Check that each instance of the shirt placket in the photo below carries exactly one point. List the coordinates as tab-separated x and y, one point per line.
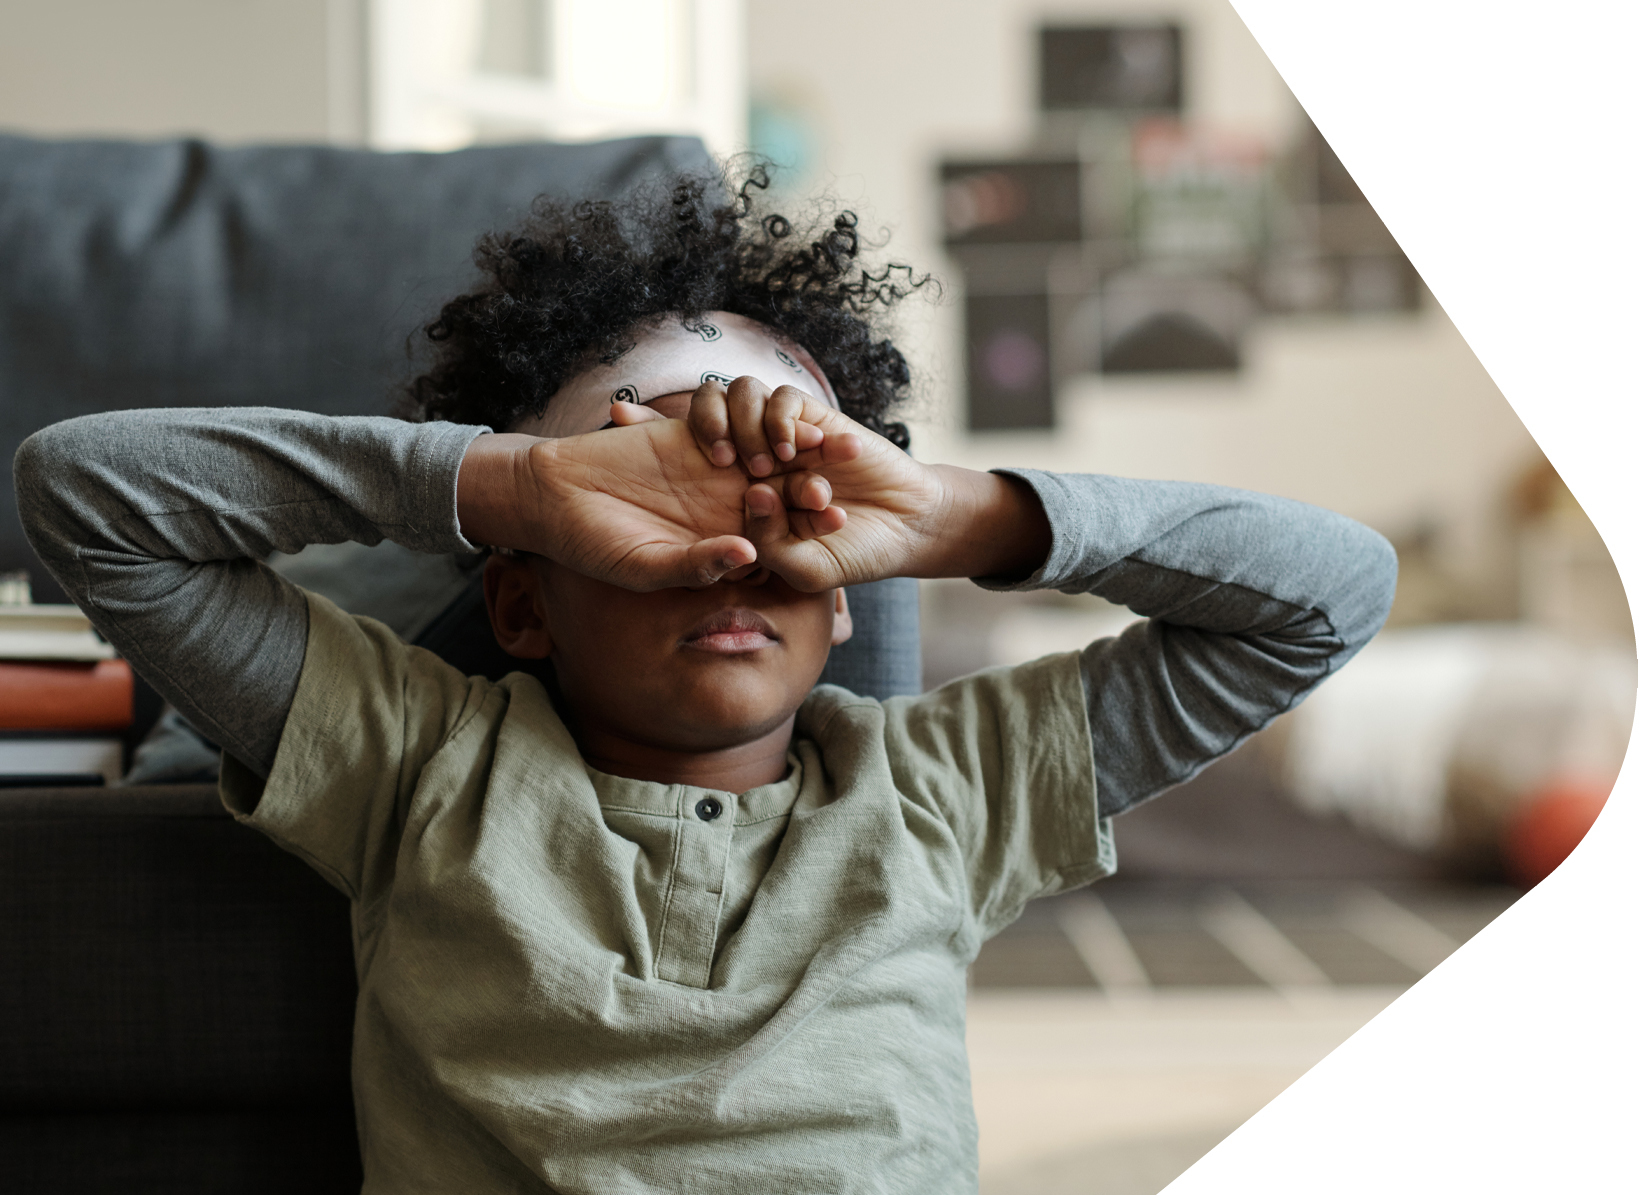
694	900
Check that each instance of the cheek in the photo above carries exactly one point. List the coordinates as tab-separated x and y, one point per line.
809	635
610	662
593	625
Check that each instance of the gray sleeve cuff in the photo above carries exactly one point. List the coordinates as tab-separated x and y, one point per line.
1065	519
432	522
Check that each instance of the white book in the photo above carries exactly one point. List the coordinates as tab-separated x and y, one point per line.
21	758
49	633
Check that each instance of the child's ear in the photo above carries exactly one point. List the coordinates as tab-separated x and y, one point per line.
842	627
517	607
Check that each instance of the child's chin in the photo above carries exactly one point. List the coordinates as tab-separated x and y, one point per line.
733	719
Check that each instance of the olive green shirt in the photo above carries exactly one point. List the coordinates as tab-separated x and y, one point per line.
575	982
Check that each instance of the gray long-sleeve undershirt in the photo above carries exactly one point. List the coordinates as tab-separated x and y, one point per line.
155	523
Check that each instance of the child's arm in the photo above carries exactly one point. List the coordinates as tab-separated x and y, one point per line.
1252	600
154	522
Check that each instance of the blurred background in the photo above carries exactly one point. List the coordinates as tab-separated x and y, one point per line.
1152	264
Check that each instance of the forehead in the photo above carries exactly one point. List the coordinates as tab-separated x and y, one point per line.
673	358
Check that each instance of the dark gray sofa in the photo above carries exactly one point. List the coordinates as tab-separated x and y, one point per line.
177	1007
178	996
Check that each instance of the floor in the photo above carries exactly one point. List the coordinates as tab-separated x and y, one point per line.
1118	1033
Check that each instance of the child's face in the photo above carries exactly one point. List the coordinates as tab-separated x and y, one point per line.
696	669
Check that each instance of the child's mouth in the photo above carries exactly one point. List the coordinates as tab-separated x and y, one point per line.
732	632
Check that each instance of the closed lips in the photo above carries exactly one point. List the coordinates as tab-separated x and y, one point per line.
732	631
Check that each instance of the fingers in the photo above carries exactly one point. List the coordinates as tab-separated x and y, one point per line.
808	436
708	420
780	413
768	516
747	421
791	423
766	520
629	414
812	524
749	403
783	539
837	449
801	491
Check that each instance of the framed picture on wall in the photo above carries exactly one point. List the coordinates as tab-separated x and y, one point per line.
1011	202
1122	68
1009	361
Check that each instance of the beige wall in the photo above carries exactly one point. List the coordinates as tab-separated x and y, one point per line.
1391	420
229	70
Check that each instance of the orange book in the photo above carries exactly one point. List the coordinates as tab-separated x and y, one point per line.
66	695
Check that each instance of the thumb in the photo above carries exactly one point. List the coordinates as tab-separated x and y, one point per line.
668	566
708	559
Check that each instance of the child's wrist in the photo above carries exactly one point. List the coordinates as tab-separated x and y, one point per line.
497	496
995	527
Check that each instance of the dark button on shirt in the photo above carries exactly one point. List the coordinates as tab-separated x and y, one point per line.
707	808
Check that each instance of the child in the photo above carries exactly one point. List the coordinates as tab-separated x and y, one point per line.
650	914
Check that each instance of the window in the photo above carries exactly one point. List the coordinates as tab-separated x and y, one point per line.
448	73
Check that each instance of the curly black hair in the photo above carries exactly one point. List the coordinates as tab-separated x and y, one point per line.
575	283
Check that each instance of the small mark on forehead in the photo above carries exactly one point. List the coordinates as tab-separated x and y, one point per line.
789	360
626	394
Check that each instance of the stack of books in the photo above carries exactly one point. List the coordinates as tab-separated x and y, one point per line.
64	700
